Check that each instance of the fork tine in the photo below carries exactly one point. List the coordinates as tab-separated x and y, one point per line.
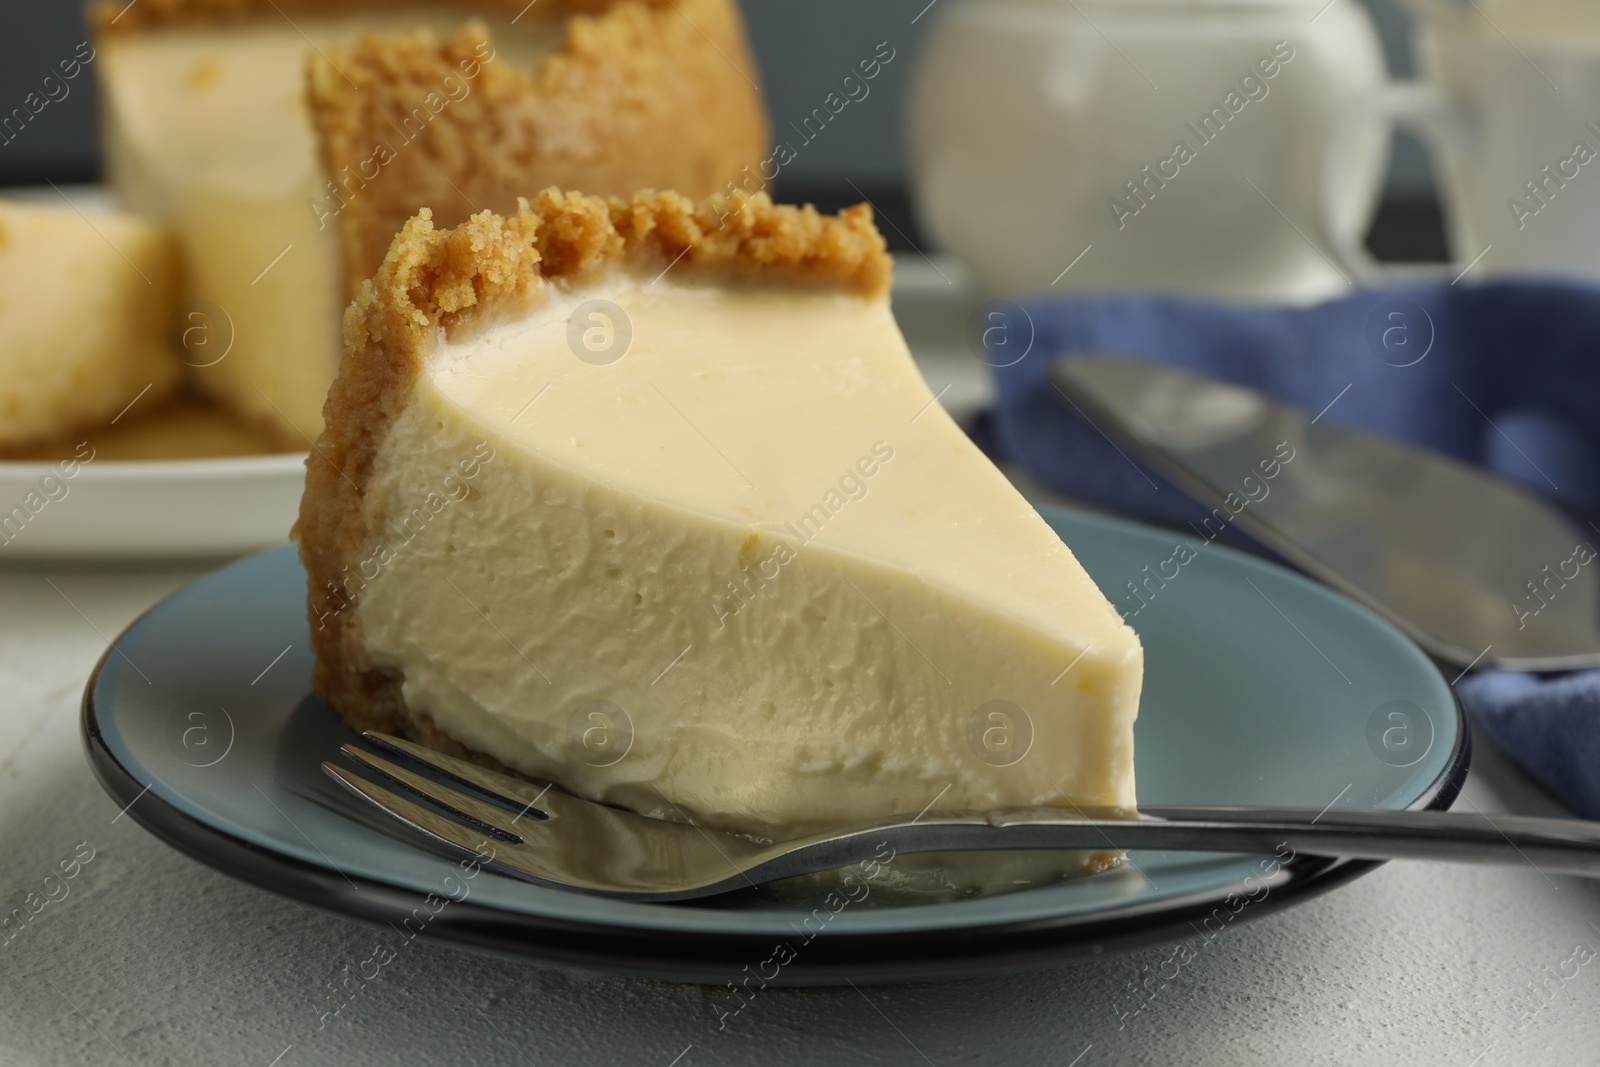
429	822
514	791
488	817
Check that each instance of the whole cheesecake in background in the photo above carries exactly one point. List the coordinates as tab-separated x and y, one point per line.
207	126
84	299
648	498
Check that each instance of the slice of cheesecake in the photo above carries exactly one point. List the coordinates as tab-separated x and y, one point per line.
648	498
84	302
207	125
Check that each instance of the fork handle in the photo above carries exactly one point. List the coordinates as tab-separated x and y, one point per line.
1565	846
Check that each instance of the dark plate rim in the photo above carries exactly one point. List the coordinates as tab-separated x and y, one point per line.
830	959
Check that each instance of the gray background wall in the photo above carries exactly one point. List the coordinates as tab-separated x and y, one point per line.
804	48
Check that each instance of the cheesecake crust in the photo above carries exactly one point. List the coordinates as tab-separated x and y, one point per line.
638	96
118	17
489	269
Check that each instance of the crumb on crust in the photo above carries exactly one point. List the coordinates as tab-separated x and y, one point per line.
493	267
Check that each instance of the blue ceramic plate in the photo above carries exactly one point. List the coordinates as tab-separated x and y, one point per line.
1260	688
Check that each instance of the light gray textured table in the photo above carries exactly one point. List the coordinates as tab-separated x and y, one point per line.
151	958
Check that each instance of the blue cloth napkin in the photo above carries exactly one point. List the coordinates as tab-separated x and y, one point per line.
1506	376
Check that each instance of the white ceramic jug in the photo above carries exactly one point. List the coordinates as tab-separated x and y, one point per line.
1228	148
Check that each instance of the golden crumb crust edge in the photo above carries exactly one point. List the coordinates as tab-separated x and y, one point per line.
112	17
634	97
489	268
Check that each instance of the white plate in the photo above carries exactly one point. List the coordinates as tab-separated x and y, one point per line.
122	509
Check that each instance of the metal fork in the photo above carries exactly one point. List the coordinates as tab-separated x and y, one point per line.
539	832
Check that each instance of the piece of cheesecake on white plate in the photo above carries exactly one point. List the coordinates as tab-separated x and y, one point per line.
85	297
648	498
285	141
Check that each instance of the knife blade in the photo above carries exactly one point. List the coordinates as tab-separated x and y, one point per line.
1477	570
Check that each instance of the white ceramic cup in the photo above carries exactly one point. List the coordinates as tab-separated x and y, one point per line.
1227	148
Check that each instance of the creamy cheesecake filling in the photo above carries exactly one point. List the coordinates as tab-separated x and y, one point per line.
748	570
83	320
207	129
